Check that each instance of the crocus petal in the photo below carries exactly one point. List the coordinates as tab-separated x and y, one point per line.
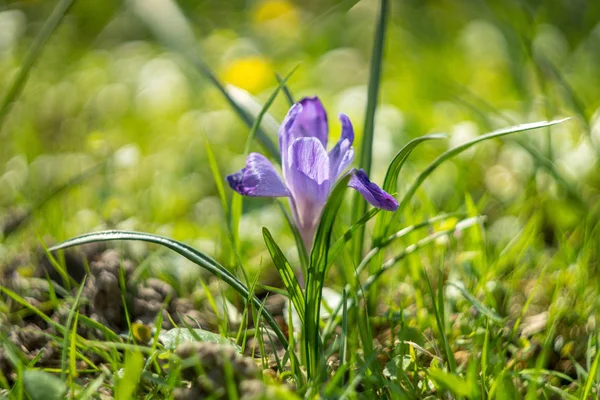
311	121
372	193
342	153
308	180
285	136
258	178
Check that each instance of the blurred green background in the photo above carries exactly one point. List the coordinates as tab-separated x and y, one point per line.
107	90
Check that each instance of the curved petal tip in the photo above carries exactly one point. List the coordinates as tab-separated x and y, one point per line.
372	193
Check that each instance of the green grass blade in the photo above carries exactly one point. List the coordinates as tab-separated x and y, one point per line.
16	87
186	251
71	334
488	312
286	90
319	261
465	146
390	183
592	375
286	272
126	385
302	254
398	235
265	108
373	89
360	205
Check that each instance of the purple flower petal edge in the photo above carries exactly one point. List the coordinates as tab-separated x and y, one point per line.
372	193
258	178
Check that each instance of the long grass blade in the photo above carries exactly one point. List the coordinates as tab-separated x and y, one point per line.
265	108
186	251
17	85
302	254
319	260
286	272
360	205
390	185
459	149
592	376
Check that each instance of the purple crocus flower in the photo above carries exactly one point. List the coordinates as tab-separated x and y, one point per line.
309	171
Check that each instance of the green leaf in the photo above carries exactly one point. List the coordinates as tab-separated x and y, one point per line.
488	312
459	149
287	274
592	375
186	251
451	382
319	261
128	381
174	337
92	387
264	110
439	318
286	90
390	183
302	255
360	205
41	385
33	53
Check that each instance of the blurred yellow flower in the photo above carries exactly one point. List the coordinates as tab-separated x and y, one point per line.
251	73
270	10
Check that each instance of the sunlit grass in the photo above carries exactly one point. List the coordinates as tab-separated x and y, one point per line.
482	285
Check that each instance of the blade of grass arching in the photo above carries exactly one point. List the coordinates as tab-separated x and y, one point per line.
459	149
286	272
197	257
541	159
16	87
390	185
319	260
592	377
390	182
359	205
441	326
166	21
286	90
70	335
302	254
